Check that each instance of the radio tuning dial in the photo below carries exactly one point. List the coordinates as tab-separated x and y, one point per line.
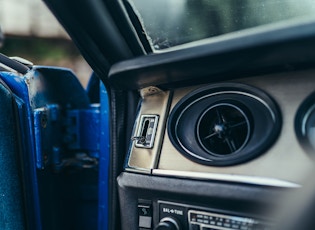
168	223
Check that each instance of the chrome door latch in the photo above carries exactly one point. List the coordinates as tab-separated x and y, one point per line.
145	135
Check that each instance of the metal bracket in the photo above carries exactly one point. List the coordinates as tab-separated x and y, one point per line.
67	139
146	131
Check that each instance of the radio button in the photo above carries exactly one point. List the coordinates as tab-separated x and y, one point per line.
168	223
200	221
145	216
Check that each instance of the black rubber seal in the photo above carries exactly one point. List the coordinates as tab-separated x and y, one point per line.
13	64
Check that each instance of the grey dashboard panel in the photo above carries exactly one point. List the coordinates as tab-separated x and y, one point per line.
285	163
145	159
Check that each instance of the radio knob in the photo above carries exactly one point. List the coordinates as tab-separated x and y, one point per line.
168	223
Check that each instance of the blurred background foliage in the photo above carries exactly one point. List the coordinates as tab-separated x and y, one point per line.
32	32
39	50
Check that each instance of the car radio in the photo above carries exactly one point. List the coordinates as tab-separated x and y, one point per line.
209	220
175	216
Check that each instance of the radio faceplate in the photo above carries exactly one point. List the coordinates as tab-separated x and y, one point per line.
209	220
200	218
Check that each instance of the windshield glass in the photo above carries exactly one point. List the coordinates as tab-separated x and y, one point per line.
169	23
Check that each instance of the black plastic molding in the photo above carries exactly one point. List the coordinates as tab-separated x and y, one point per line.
254	200
255	51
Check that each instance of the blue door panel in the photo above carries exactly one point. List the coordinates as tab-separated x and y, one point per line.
19	88
104	161
70	198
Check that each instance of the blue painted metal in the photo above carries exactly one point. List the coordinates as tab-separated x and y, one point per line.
38	139
47	135
48	89
48	86
51	85
36	95
76	131
19	88
104	161
83	130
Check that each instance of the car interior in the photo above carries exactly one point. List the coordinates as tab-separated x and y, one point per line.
197	116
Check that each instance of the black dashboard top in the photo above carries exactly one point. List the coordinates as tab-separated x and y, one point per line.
251	52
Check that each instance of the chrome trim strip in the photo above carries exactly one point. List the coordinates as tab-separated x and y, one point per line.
138	170
228	178
305	119
131	144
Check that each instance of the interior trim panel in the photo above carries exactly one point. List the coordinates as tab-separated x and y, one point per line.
227	178
143	158
288	90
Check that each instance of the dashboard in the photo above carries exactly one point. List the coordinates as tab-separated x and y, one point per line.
282	162
222	132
